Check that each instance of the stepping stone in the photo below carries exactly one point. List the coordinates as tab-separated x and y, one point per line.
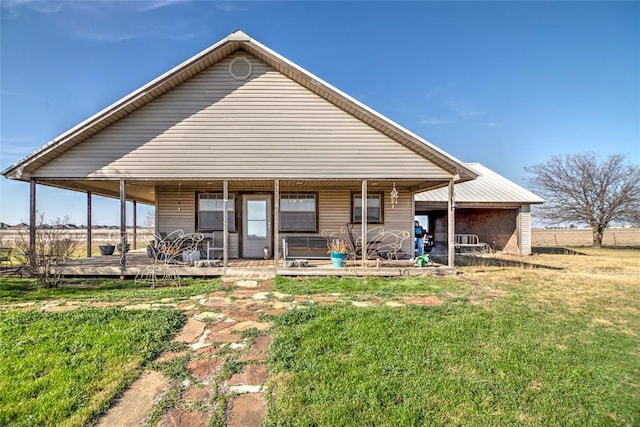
203	368
220	326
191	331
247	283
208	315
103	304
223	337
429	301
394	304
275	312
241	314
281	304
319	298
218	302
243	293
138	307
261	343
197	394
280	295
242	389
136	402
260	296
202	341
256	357
360	303
249	324
247	410
181	418
252	375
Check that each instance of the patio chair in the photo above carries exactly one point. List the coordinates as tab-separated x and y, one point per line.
177	249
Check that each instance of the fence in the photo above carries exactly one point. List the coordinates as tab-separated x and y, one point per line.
10	237
621	237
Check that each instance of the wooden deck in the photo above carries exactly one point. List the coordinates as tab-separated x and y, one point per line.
138	263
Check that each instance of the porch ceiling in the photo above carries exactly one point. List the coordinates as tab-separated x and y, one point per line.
144	191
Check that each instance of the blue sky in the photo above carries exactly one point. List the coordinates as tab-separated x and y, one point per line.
506	84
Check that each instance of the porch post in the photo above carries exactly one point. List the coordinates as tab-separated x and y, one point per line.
451	224
276	221
135	225
32	223
364	222
89	223
225	223
123	224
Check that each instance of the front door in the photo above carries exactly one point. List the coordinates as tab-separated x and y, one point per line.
256	220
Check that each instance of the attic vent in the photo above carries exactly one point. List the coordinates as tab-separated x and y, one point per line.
240	68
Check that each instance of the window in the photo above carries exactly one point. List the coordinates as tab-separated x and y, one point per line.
374	208
211	212
298	212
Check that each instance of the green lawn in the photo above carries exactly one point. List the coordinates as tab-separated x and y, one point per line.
450	365
509	346
17	290
63	368
369	286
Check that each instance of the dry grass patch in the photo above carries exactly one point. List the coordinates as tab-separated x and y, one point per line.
603	281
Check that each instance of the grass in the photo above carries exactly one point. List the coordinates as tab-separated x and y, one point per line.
64	368
371	286
19	290
524	347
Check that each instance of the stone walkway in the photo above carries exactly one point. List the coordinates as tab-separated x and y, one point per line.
224	349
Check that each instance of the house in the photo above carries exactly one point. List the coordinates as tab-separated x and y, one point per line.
242	144
492	207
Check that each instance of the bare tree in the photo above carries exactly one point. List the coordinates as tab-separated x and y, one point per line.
580	188
54	247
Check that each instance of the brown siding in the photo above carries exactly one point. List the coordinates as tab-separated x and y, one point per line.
214	126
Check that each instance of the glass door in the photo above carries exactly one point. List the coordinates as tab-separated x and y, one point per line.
256	217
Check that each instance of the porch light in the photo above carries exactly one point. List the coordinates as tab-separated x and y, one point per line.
394	196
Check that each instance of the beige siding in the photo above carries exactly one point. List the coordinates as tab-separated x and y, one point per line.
169	218
334	210
524	230
213	126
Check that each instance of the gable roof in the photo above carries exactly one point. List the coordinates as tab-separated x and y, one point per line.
234	42
489	187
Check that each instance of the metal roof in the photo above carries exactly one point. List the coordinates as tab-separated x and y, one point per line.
489	187
235	41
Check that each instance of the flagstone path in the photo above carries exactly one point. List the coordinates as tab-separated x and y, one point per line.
226	339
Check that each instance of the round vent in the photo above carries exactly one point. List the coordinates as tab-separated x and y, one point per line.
240	68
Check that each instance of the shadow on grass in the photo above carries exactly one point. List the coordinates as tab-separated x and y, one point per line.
553	250
475	260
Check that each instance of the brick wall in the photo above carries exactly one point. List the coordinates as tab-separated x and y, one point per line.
489	225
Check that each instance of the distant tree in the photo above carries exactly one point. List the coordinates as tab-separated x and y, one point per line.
578	187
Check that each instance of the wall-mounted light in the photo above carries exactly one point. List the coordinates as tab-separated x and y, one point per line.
394	196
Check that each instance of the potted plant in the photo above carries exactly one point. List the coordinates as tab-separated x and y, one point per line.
338	251
107	249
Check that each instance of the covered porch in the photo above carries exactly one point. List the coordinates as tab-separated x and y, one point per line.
138	262
243	236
